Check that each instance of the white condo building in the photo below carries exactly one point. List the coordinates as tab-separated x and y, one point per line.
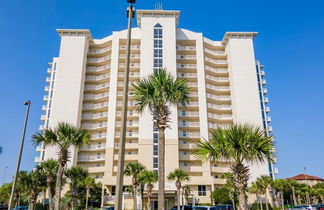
85	86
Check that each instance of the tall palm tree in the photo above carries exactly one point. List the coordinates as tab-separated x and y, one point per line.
148	178
134	169
63	137
89	183
265	182
239	143
157	93
178	176
77	176
49	168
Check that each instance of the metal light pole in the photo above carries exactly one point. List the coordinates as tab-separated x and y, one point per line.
27	103
121	152
4	174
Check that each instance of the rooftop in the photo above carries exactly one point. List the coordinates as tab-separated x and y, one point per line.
304	177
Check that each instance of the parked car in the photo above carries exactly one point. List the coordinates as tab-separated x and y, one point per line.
319	206
304	207
108	208
204	208
20	208
185	207
224	207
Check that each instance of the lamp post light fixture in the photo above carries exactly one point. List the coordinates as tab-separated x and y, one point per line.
121	152
27	103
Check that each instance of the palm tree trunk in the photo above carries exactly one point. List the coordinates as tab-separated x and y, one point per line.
233	203
242	199
74	196
266	199
149	194
161	169
49	192
260	201
87	197
135	197
58	187
294	196
178	198
282	200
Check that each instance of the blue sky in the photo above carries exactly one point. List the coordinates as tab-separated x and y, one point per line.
290	45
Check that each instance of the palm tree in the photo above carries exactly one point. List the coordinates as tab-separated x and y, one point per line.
255	189
89	183
265	182
157	93
240	144
49	168
292	185
63	136
35	184
148	178
77	176
186	191
279	185
178	176
134	169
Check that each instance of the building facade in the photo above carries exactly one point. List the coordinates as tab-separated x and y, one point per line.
85	86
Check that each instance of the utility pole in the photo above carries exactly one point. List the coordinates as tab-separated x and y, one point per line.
121	152
27	103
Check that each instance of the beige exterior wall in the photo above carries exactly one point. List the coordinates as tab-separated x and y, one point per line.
88	93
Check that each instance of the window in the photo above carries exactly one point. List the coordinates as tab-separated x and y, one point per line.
158	33
154	126
130	123
184	123
184	142
155	150
98	155
130	133
158	43
185	153
183	113
185	164
184	133
158	62
99	144
113	190
201	190
155	162
129	153
155	138
97	176
158	53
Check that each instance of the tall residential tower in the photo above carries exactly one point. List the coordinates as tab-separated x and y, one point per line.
85	86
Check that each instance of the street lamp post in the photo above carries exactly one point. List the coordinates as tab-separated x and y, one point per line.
27	103
121	152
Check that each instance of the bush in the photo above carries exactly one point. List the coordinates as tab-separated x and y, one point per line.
256	206
221	196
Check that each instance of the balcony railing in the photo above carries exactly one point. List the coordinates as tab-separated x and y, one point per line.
94	125
188	114
133	47
218	98
219	116
180	47
95	147
216	70
186	57
189	134
95	106
96	96
131	65
217	79
97	78
218	88
98	60
98	136
132	56
219	107
91	158
214	52
215	61
188	124
96	87
187	66
94	116
98	69
187	75
98	51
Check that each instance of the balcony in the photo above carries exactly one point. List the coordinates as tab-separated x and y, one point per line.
128	145
265	91
91	158
270	128
186	157
90	116
189	134
216	62
132	56
218	98
191	168
130	113
266	100
95	147
219	107
215	52
128	134
188	124
44	107
217	79
219	181
98	60
267	109
128	157
95	106
131	65
220	169
187	145
218	88
187	75
220	117
99	51
186	57
262	73
180	47
97	78
49	70
97	136
96	87
37	159
264	82
99	169
132	123
192	84
98	69
216	70
186	66
47	88
43	117
131	74
92	126
191	104
133	47
48	79
268	119
95	96
39	149
41	127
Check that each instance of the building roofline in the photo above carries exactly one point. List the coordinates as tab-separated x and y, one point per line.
74	32
304	177
158	13
247	35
